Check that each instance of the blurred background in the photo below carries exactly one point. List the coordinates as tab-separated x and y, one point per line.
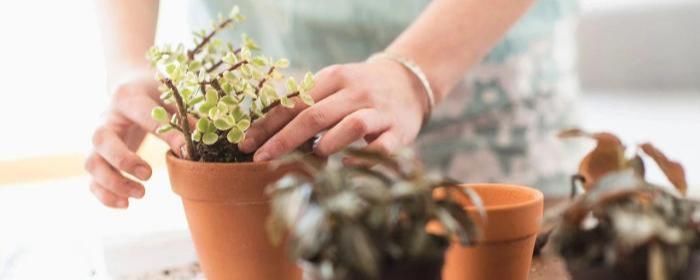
639	67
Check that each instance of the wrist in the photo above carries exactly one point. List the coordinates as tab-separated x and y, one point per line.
419	82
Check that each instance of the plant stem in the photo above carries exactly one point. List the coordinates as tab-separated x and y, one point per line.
263	80
205	41
275	104
215	84
182	113
176	127
218	63
233	67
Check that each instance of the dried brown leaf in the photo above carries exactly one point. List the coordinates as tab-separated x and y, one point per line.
607	156
673	170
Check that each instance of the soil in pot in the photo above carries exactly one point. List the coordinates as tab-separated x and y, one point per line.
226	208
504	249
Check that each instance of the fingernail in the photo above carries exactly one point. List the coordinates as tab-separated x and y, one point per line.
248	145
142	172
136	193
261	156
121	204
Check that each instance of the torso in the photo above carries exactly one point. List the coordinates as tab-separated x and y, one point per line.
498	124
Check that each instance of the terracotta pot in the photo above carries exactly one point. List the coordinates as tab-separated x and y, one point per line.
504	250
226	208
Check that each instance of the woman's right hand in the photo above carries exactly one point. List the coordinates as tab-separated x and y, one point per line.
116	140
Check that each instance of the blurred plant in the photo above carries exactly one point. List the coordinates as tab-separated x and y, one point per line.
357	222
622	221
219	89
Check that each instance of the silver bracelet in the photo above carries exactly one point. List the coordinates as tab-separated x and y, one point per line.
417	71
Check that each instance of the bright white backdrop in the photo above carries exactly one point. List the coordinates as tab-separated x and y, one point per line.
52	92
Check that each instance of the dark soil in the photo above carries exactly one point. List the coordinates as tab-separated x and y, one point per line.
224	151
221	151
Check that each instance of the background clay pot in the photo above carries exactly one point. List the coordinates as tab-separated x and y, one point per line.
226	209
504	250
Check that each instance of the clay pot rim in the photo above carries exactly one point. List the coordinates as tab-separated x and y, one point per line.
538	197
180	161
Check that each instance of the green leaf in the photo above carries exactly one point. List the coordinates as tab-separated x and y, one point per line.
235	14
222	107
307	99
195	65
269	91
308	82
244	124
286	102
292	85
202	124
186	93
212	96
209	138
204	108
222	124
195	101
249	43
235	135
197	136
245	70
230	59
214	113
245	53
259	61
282	63
228	100
170	68
166	95
256	74
164	128
159	114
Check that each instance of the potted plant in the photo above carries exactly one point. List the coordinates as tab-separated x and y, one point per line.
509	230
217	90
388	221
623	227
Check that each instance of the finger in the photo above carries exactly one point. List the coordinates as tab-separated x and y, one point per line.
386	144
308	123
352	128
107	197
113	149
137	107
328	81
110	179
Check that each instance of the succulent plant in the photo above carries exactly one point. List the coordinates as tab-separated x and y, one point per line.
357	221
219	89
622	221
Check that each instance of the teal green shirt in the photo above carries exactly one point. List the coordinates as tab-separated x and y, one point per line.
497	125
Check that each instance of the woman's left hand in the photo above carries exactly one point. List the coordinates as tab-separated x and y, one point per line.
379	101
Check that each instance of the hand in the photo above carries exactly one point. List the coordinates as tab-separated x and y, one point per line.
379	101
126	123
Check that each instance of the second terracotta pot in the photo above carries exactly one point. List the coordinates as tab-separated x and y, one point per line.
226	208
504	250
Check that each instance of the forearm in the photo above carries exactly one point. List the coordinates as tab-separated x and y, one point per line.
128	31
450	36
